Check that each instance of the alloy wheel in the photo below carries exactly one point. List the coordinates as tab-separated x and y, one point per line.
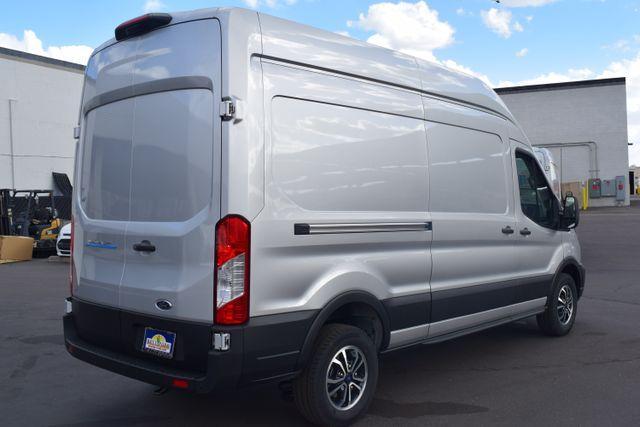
565	304
346	378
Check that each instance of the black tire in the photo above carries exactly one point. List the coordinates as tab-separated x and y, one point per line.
310	388
556	321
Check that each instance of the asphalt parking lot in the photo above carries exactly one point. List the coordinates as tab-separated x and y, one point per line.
511	375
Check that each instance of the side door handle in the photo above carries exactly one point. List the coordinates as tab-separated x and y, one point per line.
525	232
144	246
507	230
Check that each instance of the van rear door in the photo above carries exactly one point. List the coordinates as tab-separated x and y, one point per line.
150	173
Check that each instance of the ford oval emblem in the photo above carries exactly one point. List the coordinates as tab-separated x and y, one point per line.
163	304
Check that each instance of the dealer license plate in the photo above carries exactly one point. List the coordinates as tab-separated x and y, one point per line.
160	343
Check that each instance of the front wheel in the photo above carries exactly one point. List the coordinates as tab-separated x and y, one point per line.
338	384
562	306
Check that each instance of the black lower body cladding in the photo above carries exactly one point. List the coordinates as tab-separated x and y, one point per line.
266	348
458	302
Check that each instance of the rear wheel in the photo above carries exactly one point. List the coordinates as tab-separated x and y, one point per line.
338	384
560	314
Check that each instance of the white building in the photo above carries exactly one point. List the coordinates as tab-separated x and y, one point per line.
583	124
39	105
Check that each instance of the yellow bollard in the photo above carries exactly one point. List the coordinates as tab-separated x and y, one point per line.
585	198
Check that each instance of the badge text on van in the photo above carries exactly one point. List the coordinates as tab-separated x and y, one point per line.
100	245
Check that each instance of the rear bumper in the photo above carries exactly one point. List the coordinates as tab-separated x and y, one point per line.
222	370
267	348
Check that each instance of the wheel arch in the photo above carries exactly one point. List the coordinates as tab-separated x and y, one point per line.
354	303
573	268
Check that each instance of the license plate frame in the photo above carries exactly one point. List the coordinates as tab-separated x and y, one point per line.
159	342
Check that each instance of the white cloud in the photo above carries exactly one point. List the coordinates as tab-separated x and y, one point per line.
255	4
32	44
499	21
622	45
526	3
522	52
529	18
412	28
461	11
518	27
154	6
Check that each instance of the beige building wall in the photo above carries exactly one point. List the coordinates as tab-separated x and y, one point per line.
39	105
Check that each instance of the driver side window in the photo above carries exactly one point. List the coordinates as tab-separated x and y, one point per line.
536	197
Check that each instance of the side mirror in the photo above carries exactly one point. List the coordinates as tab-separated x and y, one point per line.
570	215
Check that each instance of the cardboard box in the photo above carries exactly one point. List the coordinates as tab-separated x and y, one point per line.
16	248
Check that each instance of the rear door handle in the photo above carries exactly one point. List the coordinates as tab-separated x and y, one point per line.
507	230
144	246
525	232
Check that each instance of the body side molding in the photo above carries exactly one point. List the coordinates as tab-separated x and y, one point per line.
463	325
457	302
377	227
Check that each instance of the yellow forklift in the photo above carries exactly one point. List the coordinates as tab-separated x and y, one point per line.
31	213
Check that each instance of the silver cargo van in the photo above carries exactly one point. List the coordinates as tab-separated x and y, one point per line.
257	200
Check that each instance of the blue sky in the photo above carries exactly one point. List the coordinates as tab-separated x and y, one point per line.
514	42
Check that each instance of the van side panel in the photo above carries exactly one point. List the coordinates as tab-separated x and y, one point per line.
349	175
334	158
474	262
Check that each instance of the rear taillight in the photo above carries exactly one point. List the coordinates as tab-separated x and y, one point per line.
71	268
232	270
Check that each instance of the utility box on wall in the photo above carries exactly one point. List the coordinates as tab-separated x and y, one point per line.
621	193
608	188
594	188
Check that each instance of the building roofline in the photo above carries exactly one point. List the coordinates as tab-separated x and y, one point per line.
40	60
562	85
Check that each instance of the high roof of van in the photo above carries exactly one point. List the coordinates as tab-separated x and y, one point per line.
300	44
